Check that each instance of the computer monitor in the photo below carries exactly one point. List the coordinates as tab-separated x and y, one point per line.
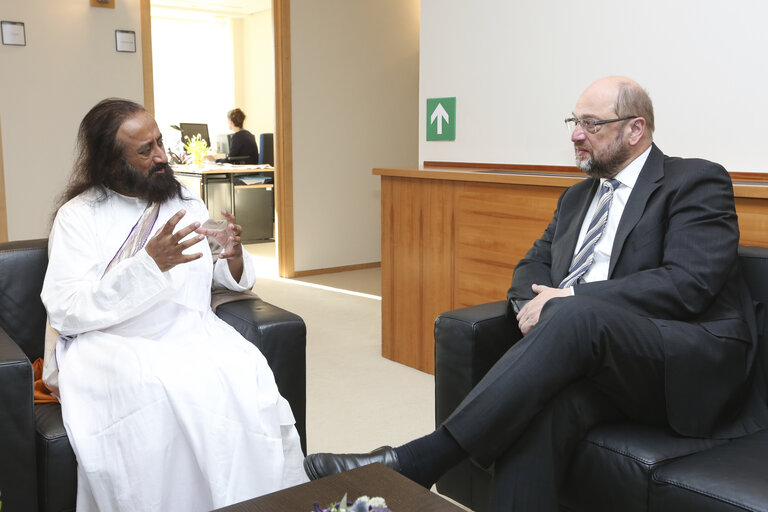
192	129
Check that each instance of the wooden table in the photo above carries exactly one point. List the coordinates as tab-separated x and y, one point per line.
451	238
401	494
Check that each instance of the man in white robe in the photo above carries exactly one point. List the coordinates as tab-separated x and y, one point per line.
166	406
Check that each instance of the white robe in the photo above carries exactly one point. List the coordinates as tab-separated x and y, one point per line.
166	406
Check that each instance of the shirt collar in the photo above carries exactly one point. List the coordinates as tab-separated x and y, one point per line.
628	175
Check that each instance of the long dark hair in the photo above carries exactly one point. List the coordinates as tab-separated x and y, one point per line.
99	153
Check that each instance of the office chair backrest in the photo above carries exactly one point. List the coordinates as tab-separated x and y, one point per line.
267	146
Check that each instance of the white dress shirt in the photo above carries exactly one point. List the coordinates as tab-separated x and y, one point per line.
627	177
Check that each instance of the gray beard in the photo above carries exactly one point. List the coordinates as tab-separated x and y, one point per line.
609	166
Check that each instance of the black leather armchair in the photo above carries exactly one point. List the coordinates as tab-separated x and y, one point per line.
620	466
38	471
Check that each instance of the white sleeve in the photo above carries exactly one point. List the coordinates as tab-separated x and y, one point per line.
76	296
222	277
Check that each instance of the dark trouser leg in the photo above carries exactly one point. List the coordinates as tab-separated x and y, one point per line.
577	337
528	475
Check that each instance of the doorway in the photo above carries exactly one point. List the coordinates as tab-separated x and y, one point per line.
258	32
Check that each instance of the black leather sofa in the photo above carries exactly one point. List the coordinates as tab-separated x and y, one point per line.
622	466
38	471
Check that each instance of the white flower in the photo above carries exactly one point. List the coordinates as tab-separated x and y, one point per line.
377	502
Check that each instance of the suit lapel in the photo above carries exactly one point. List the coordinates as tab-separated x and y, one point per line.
648	180
576	209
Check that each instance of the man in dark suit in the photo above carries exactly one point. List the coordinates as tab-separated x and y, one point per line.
631	304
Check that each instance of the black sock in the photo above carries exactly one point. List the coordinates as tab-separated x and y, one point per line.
424	460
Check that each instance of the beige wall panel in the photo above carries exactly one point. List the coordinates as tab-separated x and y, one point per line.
257	89
67	66
355	89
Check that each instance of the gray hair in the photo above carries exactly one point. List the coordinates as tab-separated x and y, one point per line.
633	100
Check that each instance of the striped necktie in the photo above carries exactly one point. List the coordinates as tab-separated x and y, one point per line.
583	259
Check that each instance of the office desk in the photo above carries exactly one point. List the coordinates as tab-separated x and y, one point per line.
252	205
452	238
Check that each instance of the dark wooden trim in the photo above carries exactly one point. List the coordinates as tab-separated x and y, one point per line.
738	176
3	210
750	177
564	169
281	11
146	56
333	270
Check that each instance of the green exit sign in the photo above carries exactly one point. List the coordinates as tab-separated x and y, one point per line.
441	118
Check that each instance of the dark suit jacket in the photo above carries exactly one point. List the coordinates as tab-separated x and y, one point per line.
674	261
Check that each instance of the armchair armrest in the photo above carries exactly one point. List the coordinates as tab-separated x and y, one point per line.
18	473
468	342
282	337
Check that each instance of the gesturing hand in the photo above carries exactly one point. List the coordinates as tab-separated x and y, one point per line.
229	238
166	247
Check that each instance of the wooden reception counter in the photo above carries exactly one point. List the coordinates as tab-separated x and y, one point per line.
451	238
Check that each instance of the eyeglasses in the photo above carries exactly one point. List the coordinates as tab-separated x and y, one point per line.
592	125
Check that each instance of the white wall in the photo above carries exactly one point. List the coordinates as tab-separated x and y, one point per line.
68	65
192	61
206	65
517	68
255	90
354	69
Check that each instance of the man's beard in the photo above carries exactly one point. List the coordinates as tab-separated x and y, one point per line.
158	186
609	165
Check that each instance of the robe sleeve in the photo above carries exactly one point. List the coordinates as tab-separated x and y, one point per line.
78	299
222	277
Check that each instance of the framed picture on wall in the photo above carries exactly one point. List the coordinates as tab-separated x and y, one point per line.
125	41
13	33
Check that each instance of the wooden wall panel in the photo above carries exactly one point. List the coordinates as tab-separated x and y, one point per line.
405	231
753	221
437	262
495	227
417	266
387	270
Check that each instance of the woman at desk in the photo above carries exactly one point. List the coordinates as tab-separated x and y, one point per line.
242	146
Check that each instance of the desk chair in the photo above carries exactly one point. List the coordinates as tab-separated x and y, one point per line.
267	153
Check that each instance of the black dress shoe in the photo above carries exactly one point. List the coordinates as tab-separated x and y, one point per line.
319	465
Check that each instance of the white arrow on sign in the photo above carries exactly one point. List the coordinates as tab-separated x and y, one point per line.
440	114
